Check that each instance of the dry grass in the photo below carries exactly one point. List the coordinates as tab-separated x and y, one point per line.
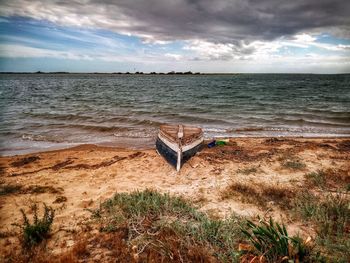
328	178
248	170
291	162
24	161
259	194
9	189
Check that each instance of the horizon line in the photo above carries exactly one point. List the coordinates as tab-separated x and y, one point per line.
166	73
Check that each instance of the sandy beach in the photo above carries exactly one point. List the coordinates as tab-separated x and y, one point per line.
80	178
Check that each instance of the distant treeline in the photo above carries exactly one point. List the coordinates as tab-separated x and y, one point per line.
134	73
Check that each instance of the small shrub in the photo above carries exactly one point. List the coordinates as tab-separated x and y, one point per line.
272	242
37	231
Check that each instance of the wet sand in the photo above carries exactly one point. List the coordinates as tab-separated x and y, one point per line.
80	178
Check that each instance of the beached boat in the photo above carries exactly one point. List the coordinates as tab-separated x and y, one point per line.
178	143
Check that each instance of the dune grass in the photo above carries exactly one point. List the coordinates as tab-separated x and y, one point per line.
329	178
330	215
148	226
149	215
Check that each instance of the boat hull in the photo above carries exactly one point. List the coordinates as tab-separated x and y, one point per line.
171	153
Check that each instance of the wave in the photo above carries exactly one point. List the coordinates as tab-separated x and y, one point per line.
42	138
313	122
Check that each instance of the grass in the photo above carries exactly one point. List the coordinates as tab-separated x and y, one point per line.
293	165
259	194
34	233
147	226
330	178
331	216
248	170
291	162
151	218
317	178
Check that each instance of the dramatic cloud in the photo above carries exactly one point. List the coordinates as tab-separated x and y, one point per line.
198	35
220	21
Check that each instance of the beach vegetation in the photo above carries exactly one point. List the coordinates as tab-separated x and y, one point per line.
40	189
330	215
248	170
317	178
330	178
25	161
7	189
259	194
150	218
272	243
293	164
35	232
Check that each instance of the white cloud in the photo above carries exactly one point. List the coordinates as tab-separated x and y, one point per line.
211	51
20	51
174	56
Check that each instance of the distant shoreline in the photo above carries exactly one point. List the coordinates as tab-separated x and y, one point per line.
188	73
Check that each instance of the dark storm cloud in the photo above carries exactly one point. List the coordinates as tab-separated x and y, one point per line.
221	21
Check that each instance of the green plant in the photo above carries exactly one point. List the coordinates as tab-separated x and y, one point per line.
271	241
316	178
34	233
331	213
331	217
168	224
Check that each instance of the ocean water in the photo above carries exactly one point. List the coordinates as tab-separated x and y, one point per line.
47	111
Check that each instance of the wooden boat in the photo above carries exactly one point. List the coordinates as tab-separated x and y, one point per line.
178	143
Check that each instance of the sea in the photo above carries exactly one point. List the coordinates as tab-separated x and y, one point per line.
40	112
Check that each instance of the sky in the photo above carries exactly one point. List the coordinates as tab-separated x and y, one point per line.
213	36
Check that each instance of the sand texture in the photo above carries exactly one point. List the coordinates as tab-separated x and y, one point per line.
77	179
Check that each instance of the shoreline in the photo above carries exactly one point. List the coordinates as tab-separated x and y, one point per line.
145	148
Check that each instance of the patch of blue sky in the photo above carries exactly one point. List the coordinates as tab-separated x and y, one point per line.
328	39
47	35
56	65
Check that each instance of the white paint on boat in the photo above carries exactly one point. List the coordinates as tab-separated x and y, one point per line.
174	142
